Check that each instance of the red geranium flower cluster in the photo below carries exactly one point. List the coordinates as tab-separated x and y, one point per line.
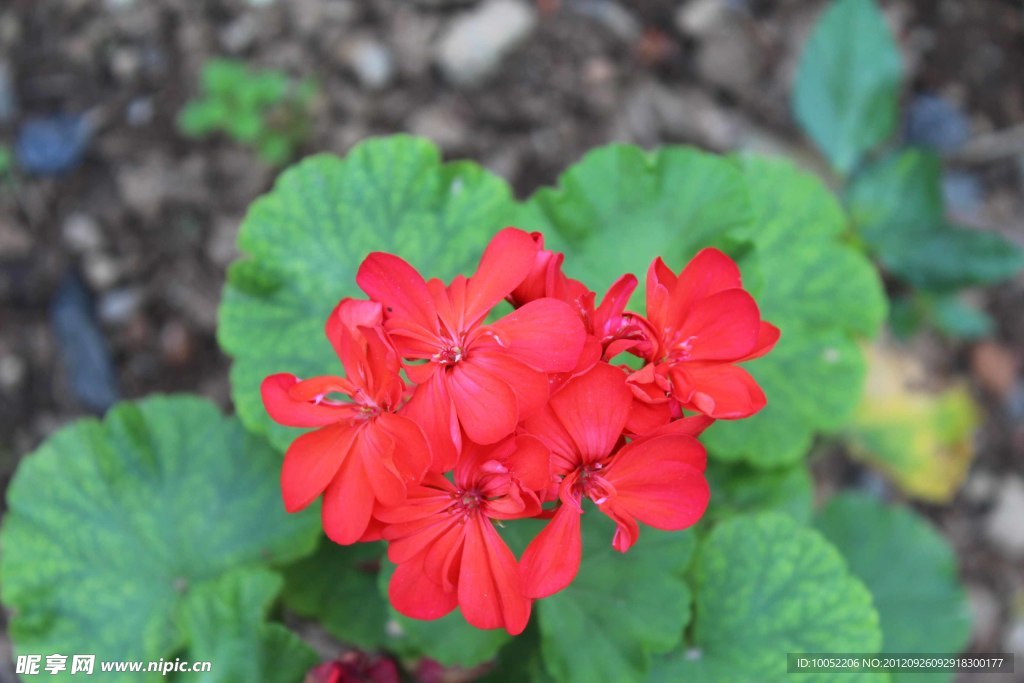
446	421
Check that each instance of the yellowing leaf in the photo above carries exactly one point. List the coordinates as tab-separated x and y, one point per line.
921	438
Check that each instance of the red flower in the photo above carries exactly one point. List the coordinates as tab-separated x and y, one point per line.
362	452
482	377
447	550
704	323
658	480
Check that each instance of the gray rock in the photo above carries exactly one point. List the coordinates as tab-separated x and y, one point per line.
371	61
613	16
82	347
81	233
698	18
984	612
472	47
729	59
1004	525
118	306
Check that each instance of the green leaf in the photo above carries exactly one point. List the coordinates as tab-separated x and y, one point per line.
738	489
765	586
822	295
309	235
911	572
449	640
619	207
957	318
226	622
337	586
897	208
111	525
620	609
848	82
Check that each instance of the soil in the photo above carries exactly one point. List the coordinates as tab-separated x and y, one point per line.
148	218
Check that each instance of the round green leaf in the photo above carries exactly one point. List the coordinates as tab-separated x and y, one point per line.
112	524
848	81
621	206
912	574
303	242
765	586
822	295
226	622
620	609
337	586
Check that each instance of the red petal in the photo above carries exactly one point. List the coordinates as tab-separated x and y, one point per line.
431	408
490	588
767	336
546	334
348	504
311	462
290	412
530	463
552	559
412	453
594	408
723	326
724	392
660	482
413	594
531	387
486	406
375	449
707	273
349	315
506	262
408	305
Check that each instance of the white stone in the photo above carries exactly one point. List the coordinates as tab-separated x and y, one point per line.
474	44
81	233
698	18
1004	525
372	63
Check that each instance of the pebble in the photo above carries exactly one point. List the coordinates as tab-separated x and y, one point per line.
176	345
81	233
82	347
730	59
120	305
371	61
240	33
12	372
1004	525
140	112
613	16
699	18
101	270
52	145
937	123
1014	640
985	612
474	44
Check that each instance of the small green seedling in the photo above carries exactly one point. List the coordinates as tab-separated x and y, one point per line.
262	109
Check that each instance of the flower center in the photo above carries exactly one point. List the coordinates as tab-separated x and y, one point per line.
592	485
449	355
465	502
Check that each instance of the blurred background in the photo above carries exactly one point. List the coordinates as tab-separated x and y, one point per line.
118	213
